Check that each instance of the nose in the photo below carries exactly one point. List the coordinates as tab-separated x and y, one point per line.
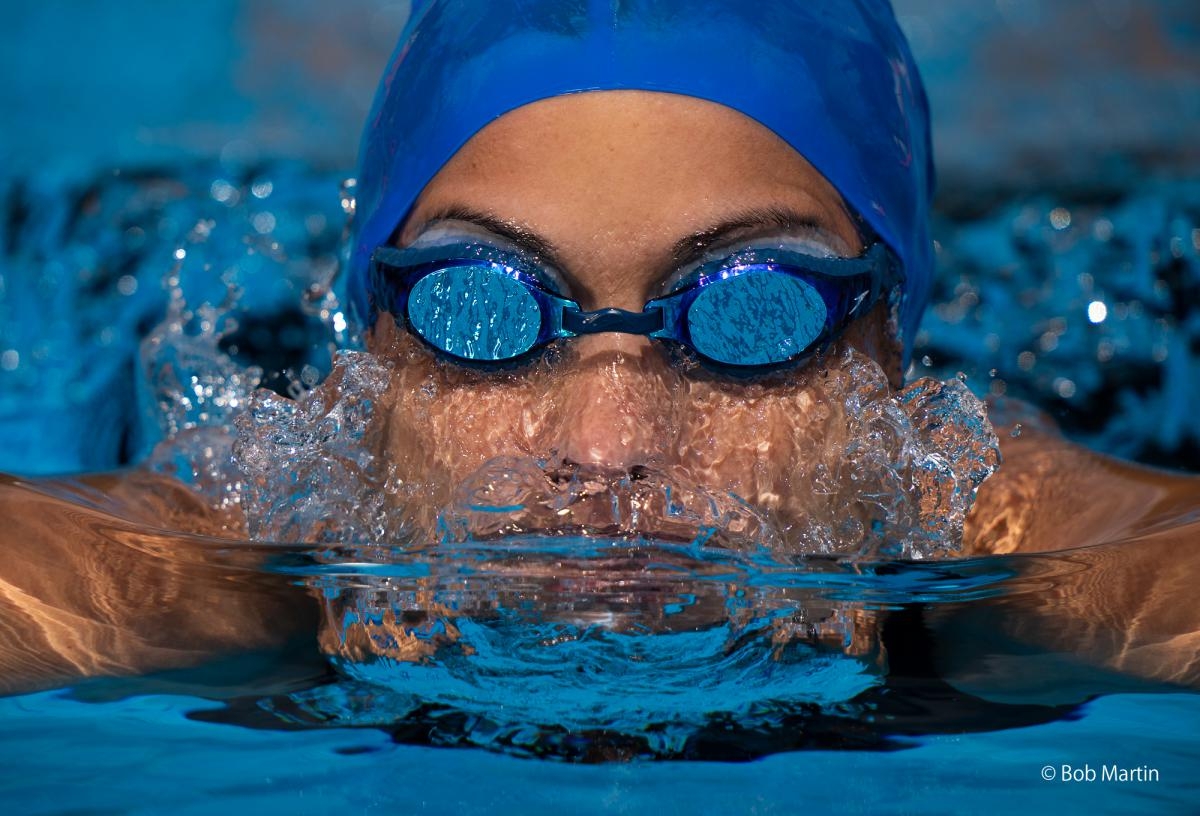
617	407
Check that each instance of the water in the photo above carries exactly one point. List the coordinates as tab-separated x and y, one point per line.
194	764
612	641
661	683
900	484
944	712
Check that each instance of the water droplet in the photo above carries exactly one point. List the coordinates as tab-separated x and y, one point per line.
347	192
223	192
263	222
1063	387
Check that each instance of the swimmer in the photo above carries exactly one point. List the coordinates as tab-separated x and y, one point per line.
692	223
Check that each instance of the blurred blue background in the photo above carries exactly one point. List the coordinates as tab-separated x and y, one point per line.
1019	88
1065	134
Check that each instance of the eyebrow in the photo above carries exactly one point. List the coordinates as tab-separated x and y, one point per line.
685	251
512	231
774	218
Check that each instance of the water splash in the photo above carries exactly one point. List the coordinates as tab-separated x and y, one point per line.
900	485
191	390
311	466
518	496
904	476
192	383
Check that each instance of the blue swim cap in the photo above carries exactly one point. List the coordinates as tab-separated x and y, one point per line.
833	78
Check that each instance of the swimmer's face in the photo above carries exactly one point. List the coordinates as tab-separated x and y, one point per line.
619	189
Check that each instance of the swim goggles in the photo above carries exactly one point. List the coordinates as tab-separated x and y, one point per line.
752	311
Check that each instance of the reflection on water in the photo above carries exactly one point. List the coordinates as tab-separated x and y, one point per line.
93	585
530	638
584	649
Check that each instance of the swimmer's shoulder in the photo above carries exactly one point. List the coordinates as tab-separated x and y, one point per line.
1052	494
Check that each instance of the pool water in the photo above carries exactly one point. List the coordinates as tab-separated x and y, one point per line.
149	753
148	301
814	731
600	675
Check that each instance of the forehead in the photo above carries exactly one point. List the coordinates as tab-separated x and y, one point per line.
630	161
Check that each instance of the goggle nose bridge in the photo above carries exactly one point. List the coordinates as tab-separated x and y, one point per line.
645	322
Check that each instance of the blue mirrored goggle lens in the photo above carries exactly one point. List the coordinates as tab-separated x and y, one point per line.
756	318
475	312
